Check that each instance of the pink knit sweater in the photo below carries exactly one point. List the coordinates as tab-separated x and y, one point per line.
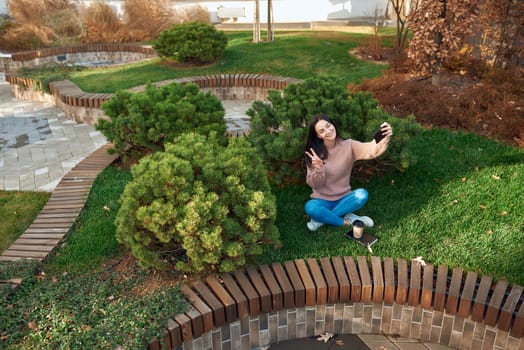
332	181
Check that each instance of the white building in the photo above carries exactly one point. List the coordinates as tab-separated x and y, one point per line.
283	10
3	6
297	10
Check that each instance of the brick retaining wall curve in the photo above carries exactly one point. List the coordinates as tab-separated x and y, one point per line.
268	304
101	54
84	107
95	47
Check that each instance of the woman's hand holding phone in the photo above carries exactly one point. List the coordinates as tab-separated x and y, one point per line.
384	131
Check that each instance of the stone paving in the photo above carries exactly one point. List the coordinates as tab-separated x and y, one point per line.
38	144
358	342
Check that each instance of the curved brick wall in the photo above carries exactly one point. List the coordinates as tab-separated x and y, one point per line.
264	305
84	107
103	52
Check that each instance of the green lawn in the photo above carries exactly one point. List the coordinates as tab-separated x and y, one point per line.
460	204
17	212
298	55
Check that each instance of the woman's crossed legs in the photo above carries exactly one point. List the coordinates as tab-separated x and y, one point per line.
332	212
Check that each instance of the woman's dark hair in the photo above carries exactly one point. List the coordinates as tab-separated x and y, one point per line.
313	141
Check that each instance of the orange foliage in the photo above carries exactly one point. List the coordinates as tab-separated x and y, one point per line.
101	23
452	19
149	17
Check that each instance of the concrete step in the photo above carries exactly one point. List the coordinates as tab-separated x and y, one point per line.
12	107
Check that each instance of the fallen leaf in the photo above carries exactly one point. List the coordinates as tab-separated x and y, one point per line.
420	260
325	337
54	279
482	206
490	232
504	213
15	281
32	325
496	177
464	179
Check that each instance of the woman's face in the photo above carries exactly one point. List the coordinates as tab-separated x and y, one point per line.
325	130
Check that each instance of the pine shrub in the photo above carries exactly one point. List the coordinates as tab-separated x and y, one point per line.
199	206
279	127
194	42
140	123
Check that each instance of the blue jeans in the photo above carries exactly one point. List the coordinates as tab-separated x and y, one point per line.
332	212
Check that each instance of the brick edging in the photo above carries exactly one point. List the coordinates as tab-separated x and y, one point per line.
260	305
85	107
94	47
70	94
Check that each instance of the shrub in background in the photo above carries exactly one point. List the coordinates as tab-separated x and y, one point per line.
194	42
140	123
101	22
192	13
148	16
20	37
45	23
40	23
199	206
279	127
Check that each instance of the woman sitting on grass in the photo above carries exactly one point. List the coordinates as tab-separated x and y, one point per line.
329	159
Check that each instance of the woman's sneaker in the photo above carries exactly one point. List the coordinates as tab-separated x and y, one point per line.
313	225
368	222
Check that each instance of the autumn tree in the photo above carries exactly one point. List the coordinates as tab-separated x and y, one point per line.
501	31
401	10
439	31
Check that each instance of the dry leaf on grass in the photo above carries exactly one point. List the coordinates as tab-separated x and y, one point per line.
32	325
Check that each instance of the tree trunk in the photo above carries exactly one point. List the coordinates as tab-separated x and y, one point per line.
256	23
269	20
435	69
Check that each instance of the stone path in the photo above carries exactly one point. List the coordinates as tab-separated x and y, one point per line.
39	145
358	342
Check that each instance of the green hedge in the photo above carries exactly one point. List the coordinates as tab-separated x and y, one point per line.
279	127
198	207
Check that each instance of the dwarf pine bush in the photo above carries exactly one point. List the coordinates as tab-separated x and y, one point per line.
192	42
198	206
279	127
140	123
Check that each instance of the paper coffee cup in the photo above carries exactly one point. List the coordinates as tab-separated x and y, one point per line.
358	228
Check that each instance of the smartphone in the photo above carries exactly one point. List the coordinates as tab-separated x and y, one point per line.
378	136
